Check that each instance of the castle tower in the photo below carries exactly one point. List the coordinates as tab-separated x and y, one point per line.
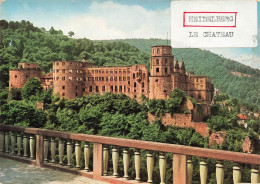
68	79
161	63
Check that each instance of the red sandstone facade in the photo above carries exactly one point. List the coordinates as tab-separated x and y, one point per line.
74	79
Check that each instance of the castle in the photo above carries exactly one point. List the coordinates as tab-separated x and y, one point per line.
73	79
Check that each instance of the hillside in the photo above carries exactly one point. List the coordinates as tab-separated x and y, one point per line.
21	41
221	70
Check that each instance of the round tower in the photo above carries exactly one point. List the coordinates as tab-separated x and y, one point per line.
161	63
68	79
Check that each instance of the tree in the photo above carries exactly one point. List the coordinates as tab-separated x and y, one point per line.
71	33
32	87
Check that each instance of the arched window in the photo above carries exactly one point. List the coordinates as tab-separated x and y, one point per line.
166	62
157	61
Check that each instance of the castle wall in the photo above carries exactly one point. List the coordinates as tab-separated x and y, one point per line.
18	77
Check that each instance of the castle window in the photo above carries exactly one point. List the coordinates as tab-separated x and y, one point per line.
103	88
63	70
156	80
135	96
96	71
133	75
83	89
63	87
111	88
100	79
143	75
57	78
129	82
135	90
128	89
158	51
157	61
63	78
199	96
166	70
124	71
142	84
70	63
135	84
15	76
63	64
142	91
97	90
106	71
76	94
115	88
99	71
57	63
90	88
57	71
111	71
120	88
115	78
76	87
128	70
106	78
166	62
70	71
103	78
157	70
124	88
96	78
111	78
63	94
115	71
120	78
120	71
27	76
197	80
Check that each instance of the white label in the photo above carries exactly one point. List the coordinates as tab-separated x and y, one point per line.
205	24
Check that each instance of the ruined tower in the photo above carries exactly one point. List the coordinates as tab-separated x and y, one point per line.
161	63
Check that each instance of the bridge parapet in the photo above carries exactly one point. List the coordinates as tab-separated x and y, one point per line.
70	152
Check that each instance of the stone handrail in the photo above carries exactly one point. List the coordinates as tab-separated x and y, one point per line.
183	166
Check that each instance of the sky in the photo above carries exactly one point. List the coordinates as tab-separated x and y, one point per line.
110	19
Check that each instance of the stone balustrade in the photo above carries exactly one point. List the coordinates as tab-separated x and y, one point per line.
101	157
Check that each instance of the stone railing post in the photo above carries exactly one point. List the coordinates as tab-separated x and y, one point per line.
61	151
189	170
2	141
69	152
105	159
97	160
126	162
86	155
78	153
32	146
25	145
236	174
203	171
179	169
39	150
162	167
53	149
150	163
219	172
7	142
46	149
19	144
255	176
115	158
137	164
13	138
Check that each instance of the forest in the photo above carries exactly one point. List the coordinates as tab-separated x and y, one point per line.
116	114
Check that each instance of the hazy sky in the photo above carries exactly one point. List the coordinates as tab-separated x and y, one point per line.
106	19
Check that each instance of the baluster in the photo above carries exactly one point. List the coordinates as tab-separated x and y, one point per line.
105	160
86	155
150	163
255	177
32	146
53	149
69	152
7	142
219	172
45	149
126	162
189	170
78	153
137	164
12	142
19	144
2	141
236	174
115	158
162	167
61	151
203	171
25	145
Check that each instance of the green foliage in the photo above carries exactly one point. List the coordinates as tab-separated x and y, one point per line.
31	88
